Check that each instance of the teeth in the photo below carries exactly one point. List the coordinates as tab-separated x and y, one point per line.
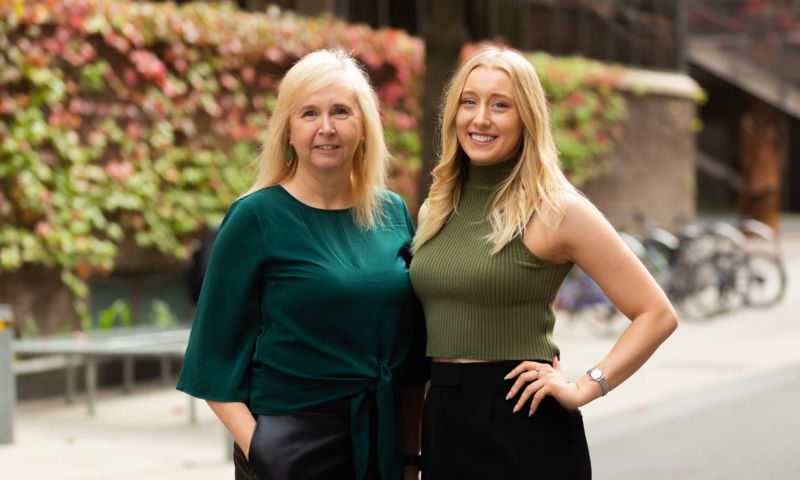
326	147
481	138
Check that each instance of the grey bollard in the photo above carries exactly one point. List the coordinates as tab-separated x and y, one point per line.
8	395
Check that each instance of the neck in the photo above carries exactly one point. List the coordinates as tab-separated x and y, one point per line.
326	190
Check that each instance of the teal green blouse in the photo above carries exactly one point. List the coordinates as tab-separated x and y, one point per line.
300	307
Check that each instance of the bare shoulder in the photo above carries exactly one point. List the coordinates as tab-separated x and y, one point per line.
577	210
583	227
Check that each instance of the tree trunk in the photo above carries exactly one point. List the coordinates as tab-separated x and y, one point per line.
444	34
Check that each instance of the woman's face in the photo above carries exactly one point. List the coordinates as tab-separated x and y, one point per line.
488	125
327	129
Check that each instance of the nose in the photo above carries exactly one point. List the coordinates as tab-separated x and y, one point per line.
326	128
482	119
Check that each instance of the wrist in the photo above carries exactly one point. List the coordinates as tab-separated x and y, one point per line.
597	376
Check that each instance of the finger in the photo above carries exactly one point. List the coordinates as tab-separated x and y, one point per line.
522	379
526	394
537	399
526	365
556	363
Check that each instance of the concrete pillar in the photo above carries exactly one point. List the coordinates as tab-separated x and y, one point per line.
8	395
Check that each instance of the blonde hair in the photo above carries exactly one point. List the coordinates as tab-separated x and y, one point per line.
313	73
535	180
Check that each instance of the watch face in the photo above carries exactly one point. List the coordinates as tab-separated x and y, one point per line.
596	373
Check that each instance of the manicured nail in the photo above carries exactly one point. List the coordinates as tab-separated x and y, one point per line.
530	413
508	397
506	377
516	408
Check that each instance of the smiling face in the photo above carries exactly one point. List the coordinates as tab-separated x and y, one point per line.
488	125
327	129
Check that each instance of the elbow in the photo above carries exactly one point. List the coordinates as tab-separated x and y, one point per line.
668	320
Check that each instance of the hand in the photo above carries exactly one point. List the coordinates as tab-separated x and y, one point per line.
542	380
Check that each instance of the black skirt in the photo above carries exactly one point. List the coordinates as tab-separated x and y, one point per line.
470	432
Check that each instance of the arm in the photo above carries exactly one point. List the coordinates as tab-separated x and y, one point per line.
238	420
585	237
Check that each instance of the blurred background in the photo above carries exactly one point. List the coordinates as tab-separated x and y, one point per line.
128	127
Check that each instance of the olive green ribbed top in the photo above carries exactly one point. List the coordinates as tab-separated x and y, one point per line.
478	305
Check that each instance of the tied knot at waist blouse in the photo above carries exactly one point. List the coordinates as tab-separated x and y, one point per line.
300	307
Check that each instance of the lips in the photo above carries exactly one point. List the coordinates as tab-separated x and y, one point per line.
326	147
482	138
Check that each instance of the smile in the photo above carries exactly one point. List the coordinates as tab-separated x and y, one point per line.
477	138
327	147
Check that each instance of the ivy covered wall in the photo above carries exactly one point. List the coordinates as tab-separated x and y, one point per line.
137	124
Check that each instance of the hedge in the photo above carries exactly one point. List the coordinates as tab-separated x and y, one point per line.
139	120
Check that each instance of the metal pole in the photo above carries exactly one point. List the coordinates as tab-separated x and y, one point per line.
8	394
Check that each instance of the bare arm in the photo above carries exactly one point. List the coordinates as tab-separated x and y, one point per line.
238	420
585	237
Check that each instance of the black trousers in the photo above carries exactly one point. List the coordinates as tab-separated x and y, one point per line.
469	430
310	445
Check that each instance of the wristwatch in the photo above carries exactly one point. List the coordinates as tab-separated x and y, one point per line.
597	375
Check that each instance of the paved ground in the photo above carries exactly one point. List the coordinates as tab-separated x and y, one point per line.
717	401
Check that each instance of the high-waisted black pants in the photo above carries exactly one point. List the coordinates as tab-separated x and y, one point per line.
308	445
469	430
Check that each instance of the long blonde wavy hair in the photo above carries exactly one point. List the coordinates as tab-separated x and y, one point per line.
536	179
312	73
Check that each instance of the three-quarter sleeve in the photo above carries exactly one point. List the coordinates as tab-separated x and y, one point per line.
228	316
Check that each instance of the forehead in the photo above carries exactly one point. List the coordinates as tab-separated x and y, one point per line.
331	94
489	80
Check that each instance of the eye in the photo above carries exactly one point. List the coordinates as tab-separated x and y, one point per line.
468	102
340	111
501	105
308	114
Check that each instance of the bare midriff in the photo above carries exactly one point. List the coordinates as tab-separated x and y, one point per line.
459	360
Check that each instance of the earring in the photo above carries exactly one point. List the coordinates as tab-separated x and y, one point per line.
289	155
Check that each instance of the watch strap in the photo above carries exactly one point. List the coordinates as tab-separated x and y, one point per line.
601	379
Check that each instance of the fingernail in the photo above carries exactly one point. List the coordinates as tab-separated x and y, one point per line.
515	409
530	413
506	377
508	397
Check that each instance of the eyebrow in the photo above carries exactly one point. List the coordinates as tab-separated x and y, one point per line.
494	94
335	105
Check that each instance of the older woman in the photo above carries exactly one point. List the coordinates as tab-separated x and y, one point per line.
499	231
306	322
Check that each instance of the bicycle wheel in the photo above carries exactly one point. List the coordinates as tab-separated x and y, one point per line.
696	289
767	279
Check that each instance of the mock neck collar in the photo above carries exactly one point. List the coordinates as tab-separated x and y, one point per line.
489	176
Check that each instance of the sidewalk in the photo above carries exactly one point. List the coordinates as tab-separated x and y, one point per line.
146	435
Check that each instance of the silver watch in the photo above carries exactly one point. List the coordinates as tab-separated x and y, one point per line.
597	375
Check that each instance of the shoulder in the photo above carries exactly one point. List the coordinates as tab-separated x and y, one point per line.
390	198
271	196
392	203
252	209
581	221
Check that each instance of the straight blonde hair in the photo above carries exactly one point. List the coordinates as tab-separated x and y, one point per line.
536	180
312	73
